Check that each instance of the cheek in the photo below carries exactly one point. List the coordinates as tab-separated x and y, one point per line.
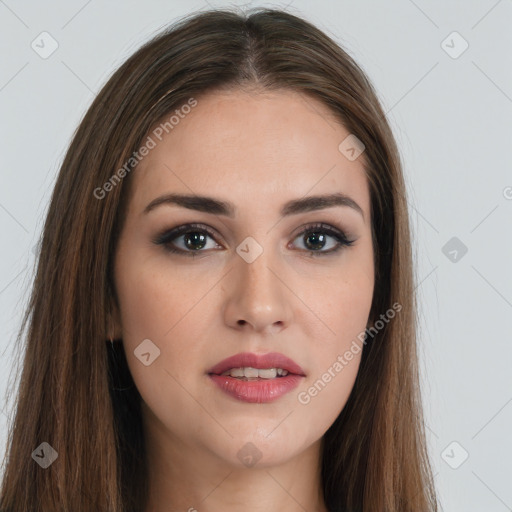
330	382
156	300
347	313
157	306
169	308
326	392
337	306
342	307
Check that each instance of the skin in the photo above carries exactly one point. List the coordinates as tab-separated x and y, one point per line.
256	149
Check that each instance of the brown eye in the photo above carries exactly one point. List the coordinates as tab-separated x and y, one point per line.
316	239
194	238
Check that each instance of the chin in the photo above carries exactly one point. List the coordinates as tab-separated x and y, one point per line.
256	449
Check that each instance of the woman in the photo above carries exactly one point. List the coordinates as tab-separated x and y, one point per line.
223	313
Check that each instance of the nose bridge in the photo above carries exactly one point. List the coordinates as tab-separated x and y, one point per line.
255	276
255	254
257	294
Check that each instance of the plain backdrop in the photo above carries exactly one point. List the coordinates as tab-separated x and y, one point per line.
443	73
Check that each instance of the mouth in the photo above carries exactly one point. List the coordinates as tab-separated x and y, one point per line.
257	378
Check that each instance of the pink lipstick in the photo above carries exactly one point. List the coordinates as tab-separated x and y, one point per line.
257	378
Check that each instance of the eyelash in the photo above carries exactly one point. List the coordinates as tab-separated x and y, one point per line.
168	236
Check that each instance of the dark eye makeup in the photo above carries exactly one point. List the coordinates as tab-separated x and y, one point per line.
196	234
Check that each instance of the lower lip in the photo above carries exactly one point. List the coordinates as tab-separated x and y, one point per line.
257	391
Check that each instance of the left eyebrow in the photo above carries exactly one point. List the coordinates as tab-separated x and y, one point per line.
217	207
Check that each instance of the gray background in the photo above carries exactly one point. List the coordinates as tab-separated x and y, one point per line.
452	118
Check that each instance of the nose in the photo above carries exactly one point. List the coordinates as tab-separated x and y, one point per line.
257	296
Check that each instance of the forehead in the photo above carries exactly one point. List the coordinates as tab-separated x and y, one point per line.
252	148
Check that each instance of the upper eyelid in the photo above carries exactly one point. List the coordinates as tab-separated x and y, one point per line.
181	229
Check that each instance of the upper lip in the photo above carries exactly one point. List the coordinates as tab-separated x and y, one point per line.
246	359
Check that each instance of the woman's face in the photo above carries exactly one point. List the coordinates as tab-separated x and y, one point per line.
242	279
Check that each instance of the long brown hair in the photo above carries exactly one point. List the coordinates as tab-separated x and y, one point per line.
75	390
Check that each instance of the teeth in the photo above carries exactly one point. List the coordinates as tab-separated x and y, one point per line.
251	372
271	373
235	372
254	373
